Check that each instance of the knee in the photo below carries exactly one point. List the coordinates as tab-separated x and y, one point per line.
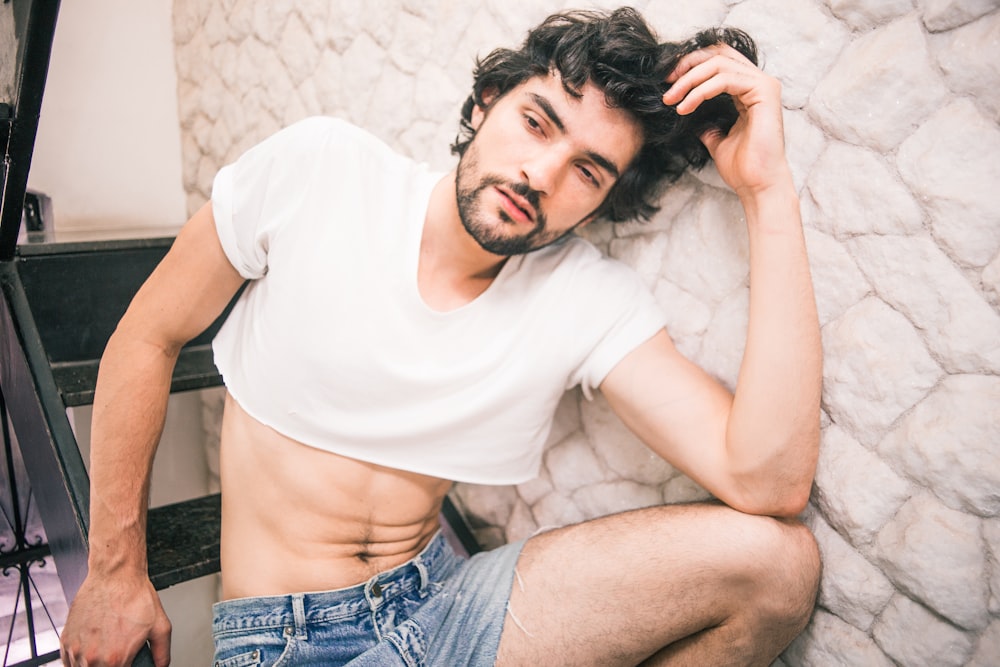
791	573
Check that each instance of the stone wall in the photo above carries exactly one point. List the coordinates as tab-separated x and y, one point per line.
892	128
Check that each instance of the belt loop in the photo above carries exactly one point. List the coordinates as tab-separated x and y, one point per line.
422	569
299	611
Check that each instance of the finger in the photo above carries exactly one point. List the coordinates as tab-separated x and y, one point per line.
734	84
705	71
728	51
711	139
695	58
159	642
68	651
689	62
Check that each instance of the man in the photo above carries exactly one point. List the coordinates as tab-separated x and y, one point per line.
404	329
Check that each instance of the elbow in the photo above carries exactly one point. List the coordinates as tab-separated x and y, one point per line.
129	337
778	485
788	509
791	505
770	499
784	508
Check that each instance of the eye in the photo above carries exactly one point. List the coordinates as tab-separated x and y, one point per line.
532	123
589	176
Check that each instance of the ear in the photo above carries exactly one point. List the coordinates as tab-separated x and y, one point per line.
489	96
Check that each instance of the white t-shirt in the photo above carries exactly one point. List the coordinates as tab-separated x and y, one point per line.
332	345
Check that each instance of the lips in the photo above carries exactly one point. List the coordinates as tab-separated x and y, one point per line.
517	207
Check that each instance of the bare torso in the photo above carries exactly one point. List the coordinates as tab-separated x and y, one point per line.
296	518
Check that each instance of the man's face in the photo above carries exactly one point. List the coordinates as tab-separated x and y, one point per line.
540	164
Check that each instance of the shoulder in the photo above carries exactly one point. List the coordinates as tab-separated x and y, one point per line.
325	135
307	132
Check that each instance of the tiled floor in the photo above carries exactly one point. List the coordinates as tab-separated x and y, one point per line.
47	617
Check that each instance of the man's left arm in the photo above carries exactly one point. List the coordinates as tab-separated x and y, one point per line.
755	450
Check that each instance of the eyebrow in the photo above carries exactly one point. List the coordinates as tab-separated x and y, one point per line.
600	160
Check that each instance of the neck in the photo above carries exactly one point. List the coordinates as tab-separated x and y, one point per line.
453	268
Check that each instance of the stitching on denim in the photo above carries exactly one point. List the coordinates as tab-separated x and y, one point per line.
402	637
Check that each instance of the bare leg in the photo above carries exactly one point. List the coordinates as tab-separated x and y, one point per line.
680	585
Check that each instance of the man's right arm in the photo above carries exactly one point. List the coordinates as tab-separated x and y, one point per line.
117	609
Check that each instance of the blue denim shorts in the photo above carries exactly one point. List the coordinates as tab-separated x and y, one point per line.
436	609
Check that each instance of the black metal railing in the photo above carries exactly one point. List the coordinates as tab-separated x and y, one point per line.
25	611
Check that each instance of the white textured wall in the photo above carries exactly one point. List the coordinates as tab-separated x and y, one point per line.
892	125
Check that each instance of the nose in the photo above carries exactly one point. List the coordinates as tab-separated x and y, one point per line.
542	169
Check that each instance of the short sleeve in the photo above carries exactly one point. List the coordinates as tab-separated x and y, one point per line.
248	195
631	317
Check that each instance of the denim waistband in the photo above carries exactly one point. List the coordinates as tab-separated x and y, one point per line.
432	563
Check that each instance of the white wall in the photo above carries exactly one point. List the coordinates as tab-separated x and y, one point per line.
108	148
108	153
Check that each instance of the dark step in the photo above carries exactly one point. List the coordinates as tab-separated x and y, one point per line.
76	294
195	369
182	540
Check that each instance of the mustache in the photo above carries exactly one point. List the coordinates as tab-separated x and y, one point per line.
524	190
521	189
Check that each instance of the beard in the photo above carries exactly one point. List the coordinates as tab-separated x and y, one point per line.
496	232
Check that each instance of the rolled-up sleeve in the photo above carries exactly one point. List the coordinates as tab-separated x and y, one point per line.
249	195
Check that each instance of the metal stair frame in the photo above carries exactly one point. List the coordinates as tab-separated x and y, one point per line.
45	437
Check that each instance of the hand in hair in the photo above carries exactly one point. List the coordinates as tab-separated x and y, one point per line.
750	157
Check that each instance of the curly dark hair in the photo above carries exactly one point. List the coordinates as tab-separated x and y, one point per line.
620	54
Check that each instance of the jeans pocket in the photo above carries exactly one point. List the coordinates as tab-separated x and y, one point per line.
249	659
256	649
